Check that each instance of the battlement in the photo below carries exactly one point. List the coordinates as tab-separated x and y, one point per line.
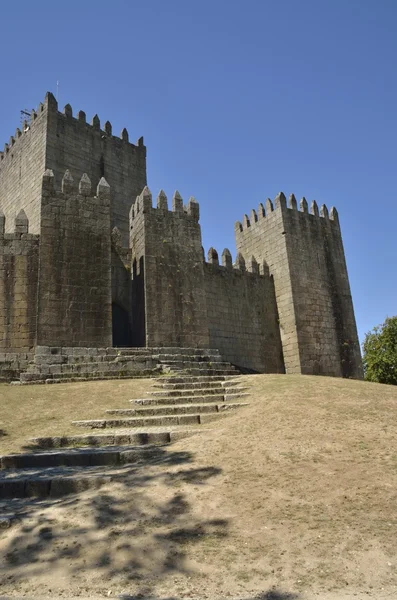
144	205
82	191
241	265
51	105
20	241
28	128
280	205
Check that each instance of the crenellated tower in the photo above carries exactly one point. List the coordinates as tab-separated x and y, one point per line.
304	252
59	141
168	272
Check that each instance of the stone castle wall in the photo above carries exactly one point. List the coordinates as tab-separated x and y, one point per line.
242	314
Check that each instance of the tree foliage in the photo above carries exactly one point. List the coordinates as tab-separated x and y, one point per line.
380	353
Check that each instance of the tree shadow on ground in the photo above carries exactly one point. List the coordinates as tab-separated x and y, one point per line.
130	534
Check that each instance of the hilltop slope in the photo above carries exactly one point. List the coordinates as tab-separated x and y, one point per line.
296	491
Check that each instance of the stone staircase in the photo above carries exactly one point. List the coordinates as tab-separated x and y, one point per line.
194	392
59	365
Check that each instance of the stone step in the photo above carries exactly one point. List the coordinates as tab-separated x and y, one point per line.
60	377
203	391
188	379
193	419
77	457
126	438
53	483
173	409
183	358
176	409
194	385
166	400
196	371
186	351
195	364
184	385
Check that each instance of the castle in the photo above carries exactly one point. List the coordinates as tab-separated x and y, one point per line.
88	262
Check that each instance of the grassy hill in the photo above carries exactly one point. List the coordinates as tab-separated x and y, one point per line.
295	492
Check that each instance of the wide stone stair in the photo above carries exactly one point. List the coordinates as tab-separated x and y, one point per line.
178	404
61	365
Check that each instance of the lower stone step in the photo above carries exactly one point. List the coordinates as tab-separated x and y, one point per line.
126	438
78	457
25	484
140	422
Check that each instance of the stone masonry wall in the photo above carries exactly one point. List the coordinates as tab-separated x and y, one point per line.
18	286
170	244
305	254
80	147
74	295
262	237
242	314
22	164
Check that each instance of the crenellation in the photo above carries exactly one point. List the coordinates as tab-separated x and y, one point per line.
177	202
303	205
227	259
324	212
108	128
162	201
314	209
68	111
96	123
292	203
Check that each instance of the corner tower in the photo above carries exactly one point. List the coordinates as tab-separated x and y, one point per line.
304	252
59	141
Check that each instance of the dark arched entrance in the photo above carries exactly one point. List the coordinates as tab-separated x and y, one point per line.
121	327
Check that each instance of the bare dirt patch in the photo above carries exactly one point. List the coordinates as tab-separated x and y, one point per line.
294	493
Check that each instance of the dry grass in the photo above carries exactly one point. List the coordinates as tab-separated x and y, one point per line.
47	410
296	492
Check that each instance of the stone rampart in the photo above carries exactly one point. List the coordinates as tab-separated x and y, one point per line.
242	313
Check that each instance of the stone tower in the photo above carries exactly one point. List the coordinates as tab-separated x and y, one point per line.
58	141
304	252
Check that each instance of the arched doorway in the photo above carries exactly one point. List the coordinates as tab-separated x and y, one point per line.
121	327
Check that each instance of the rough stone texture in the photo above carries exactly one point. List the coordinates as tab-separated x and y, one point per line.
242	318
18	289
169	242
305	254
74	292
22	165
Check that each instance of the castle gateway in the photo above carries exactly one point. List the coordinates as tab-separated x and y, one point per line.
90	262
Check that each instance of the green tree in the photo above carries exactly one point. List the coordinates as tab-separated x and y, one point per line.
380	353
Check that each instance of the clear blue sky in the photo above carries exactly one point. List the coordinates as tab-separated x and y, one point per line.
236	100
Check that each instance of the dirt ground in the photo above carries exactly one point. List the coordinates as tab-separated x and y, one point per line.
292	497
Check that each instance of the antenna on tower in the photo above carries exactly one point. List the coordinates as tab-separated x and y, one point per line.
25	118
